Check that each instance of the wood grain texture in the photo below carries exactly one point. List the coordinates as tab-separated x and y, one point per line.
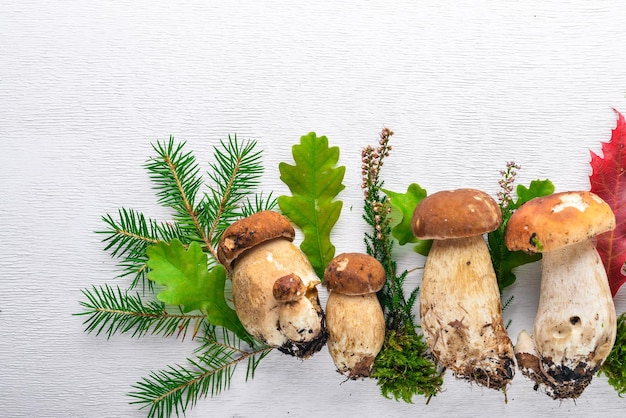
85	87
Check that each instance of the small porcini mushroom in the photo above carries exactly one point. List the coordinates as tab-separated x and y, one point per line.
258	251
460	307
288	288
355	319
575	324
298	319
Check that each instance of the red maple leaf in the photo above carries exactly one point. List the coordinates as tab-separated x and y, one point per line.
608	182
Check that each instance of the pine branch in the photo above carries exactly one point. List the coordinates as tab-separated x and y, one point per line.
114	311
177	177
235	175
176	174
129	233
260	204
177	388
379	243
128	236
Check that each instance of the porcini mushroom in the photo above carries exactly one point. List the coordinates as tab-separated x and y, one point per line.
297	318
460	307
258	251
355	319
575	324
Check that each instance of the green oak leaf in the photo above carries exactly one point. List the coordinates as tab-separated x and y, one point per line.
314	182
189	283
537	188
422	246
404	204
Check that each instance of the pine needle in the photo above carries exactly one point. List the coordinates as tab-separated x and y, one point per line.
259	204
113	311
179	387
235	174
177	179
110	310
127	238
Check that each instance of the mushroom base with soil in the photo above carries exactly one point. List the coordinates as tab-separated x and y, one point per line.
575	325
299	326
461	314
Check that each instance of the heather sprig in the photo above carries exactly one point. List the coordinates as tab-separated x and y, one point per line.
506	182
372	161
504	261
377	206
402	368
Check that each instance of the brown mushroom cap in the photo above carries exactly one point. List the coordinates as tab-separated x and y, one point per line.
456	213
354	274
288	288
550	222
253	230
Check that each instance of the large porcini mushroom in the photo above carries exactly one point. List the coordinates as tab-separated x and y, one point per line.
575	324
460	307
258	252
355	319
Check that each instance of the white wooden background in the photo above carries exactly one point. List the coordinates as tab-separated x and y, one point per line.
86	87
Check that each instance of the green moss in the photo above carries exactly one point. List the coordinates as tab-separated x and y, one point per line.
403	368
615	365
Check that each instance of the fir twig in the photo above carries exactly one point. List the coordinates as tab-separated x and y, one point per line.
259	204
177	388
176	175
127	238
235	174
114	311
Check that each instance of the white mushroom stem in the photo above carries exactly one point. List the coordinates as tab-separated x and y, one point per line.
461	313
575	325
356	326
299	319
